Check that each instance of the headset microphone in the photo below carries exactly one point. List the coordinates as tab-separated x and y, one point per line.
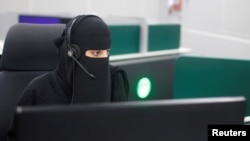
70	54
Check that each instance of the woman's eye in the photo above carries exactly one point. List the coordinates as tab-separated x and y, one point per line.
96	53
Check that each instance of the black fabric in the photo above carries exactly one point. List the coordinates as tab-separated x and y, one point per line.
49	89
119	84
46	89
88	32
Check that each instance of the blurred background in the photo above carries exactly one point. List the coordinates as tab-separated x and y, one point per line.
208	27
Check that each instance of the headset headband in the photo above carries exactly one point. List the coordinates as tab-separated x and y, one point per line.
69	32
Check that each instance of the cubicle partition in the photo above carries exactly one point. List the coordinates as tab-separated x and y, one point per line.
163	36
211	77
125	39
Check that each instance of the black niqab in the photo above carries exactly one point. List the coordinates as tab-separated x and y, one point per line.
88	33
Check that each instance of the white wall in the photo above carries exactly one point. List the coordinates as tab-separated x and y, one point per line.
218	28
148	9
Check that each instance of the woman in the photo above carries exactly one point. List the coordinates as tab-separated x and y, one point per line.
83	72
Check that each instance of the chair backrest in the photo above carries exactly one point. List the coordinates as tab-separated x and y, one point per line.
28	52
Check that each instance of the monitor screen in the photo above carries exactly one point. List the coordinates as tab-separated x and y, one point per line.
159	120
150	78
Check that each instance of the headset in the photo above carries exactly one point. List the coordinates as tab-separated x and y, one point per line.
74	50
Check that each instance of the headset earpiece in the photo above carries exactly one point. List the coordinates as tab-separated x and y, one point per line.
76	51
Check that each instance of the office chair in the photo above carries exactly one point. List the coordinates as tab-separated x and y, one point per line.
28	52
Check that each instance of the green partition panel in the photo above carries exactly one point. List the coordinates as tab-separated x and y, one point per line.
125	39
202	77
164	36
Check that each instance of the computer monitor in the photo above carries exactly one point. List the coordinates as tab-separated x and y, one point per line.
156	120
150	77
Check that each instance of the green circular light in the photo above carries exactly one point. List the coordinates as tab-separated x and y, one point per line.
143	87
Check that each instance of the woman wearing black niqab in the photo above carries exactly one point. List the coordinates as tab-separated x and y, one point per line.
83	72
